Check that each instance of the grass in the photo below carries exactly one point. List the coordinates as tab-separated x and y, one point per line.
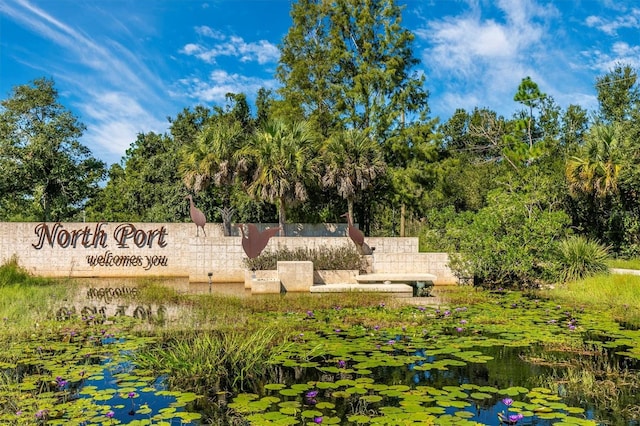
25	300
212	361
616	293
624	263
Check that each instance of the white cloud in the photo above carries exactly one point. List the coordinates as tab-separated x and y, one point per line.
621	53
205	31
483	60
113	119
191	49
219	83
630	19
116	119
463	44
261	51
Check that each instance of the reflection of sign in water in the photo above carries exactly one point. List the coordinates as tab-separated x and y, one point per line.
100	314
101	306
107	294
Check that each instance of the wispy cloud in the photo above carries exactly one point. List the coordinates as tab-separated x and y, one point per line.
119	118
482	61
112	119
261	51
620	53
610	26
218	84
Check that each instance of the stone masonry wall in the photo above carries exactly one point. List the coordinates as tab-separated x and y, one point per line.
173	250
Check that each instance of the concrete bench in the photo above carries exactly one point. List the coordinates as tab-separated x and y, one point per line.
385	277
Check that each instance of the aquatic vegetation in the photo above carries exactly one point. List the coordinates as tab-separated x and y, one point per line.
478	358
359	389
212	361
77	371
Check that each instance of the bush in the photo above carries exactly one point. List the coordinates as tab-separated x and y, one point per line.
324	258
581	258
510	242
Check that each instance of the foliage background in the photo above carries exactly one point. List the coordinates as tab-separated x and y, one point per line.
500	192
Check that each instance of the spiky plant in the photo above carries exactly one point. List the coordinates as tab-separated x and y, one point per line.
581	257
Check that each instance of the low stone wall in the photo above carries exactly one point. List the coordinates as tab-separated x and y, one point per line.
407	263
121	250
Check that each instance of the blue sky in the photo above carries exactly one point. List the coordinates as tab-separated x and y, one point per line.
124	66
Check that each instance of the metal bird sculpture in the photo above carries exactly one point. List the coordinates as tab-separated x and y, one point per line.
254	241
196	216
357	236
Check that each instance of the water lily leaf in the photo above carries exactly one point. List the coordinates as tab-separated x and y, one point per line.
480	395
513	391
309	414
371	398
290	411
359	418
326	385
289	392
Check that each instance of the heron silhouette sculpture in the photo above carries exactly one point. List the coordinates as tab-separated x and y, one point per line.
254	241
196	216
357	236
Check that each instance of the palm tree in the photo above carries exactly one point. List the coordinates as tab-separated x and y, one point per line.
595	171
210	160
280	163
593	177
353	162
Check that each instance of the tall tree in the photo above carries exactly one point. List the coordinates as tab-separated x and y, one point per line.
188	123
349	62
618	94
280	162
530	95
146	187
48	170
575	123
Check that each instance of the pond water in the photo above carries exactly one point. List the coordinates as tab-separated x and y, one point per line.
468	386
530	361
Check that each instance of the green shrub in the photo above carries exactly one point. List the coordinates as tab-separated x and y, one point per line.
324	258
581	258
511	242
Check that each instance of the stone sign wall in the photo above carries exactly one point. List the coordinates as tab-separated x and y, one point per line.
152	249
